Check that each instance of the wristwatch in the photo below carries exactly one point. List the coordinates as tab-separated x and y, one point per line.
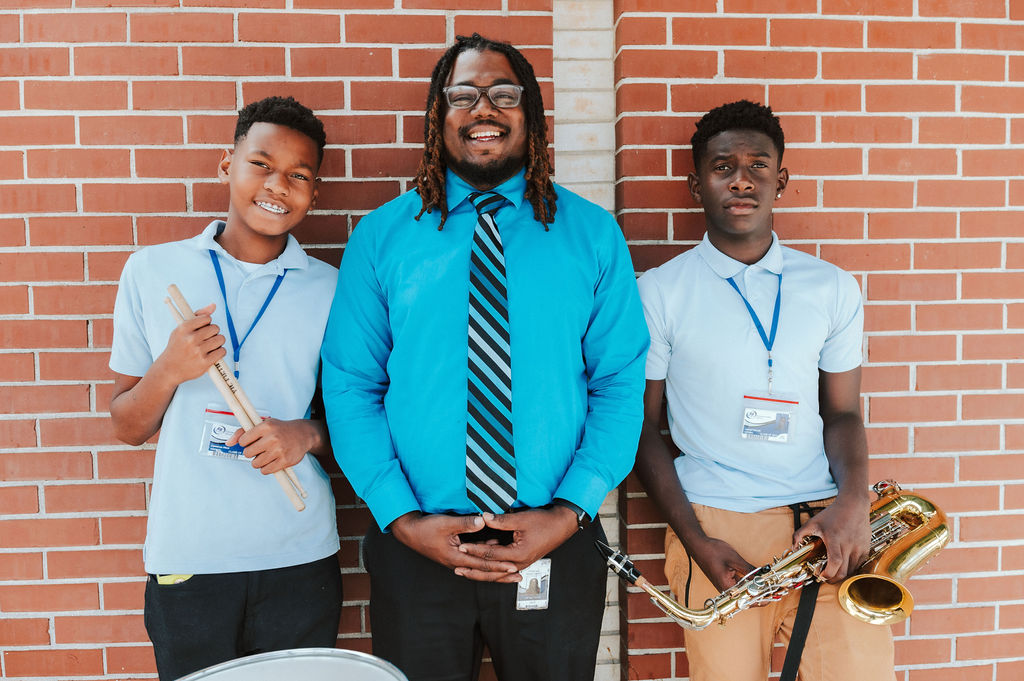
582	518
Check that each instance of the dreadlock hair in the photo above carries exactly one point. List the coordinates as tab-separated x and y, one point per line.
430	178
741	115
282	111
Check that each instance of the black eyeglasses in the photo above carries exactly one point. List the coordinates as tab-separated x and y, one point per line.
502	95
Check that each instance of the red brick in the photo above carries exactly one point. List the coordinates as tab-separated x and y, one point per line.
34	61
23	632
640	30
131	660
895	98
961	130
701	97
398	96
19	501
911	225
865	257
868	193
37	198
46	597
969	193
999	223
141	129
960	256
125	465
17	433
867	65
31	333
182	27
62	662
27	399
99	629
67	432
916	409
126	60
774	64
993	346
123	530
961	67
45	532
16	366
288	28
668	64
76	27
816	33
994	99
95	497
993	162
141	198
814	97
655	635
179	94
956	438
641	665
922	651
890	161
13	300
990	36
73	163
709	30
21	566
887	318
94	563
211	60
76	95
80	231
314	94
45	466
12	165
175	163
992	285
519	30
922	35
959	377
376	29
892	8
953	621
987	407
128	595
866	129
341	61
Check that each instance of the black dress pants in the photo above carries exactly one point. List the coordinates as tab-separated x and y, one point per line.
433	624
214	618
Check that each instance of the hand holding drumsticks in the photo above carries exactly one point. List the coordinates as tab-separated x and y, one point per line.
236	398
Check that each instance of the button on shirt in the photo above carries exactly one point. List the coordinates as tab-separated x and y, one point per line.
704	344
395	353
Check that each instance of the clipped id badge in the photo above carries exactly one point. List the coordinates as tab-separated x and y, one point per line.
769	417
219	424
534	590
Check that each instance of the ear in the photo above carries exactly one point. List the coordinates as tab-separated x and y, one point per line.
783	180
316	193
693	182
223	166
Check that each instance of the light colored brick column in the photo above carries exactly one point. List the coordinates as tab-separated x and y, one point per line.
584	44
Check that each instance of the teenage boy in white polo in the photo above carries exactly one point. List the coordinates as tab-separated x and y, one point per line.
758	350
233	568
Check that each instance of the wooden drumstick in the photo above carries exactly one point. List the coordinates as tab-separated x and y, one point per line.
232	393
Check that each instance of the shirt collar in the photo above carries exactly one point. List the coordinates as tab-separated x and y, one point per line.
726	267
293	257
458	190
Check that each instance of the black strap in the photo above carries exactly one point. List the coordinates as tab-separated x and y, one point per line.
804	611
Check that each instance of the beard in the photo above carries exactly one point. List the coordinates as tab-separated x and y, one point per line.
488	174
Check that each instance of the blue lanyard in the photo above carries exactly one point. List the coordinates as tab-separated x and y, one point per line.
236	346
769	341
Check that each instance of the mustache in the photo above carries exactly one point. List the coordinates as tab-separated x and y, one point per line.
466	129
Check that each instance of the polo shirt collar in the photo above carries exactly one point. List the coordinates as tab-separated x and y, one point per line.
458	190
726	267
293	257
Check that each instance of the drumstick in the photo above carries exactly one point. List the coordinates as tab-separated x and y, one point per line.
229	389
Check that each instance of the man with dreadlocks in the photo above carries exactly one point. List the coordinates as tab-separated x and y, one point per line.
483	374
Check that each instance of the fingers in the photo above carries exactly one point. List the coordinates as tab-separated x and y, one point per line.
488	576
235	437
469	523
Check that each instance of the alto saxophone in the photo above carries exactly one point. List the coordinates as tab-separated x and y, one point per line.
906	531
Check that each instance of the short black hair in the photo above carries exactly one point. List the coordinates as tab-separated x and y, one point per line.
284	111
741	115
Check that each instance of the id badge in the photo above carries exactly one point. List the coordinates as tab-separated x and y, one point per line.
219	424
534	590
769	418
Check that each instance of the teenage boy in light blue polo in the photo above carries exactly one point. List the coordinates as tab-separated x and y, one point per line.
233	568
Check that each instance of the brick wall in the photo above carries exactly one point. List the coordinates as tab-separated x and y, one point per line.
905	149
905	153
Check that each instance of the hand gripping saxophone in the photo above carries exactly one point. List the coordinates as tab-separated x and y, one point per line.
906	531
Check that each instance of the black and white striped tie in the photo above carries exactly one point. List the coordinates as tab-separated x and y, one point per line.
490	459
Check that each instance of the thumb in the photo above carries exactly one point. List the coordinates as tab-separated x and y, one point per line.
469	523
495	521
206	310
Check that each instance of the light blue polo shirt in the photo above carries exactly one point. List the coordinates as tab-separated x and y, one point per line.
707	349
212	515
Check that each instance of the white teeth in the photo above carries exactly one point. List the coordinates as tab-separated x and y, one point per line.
484	135
271	207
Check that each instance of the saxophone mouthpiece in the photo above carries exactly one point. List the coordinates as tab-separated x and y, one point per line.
619	562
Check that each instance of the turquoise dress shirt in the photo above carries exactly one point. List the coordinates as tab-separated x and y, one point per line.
395	353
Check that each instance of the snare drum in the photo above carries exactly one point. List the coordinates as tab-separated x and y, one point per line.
308	664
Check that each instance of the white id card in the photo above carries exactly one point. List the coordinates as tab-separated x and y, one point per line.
219	424
535	588
769	418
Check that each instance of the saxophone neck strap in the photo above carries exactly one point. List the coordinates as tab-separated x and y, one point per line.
801	625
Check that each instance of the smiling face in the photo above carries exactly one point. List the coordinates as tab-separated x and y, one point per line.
484	145
737	184
271	174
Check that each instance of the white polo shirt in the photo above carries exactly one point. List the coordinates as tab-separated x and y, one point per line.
209	514
706	347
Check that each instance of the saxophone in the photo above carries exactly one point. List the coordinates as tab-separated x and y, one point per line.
906	531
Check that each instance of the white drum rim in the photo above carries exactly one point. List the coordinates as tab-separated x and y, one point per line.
299	652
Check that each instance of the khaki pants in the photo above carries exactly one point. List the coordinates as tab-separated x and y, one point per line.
839	647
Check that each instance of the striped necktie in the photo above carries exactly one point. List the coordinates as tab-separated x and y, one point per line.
490	460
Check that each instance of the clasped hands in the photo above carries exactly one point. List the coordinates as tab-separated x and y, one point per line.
535	533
